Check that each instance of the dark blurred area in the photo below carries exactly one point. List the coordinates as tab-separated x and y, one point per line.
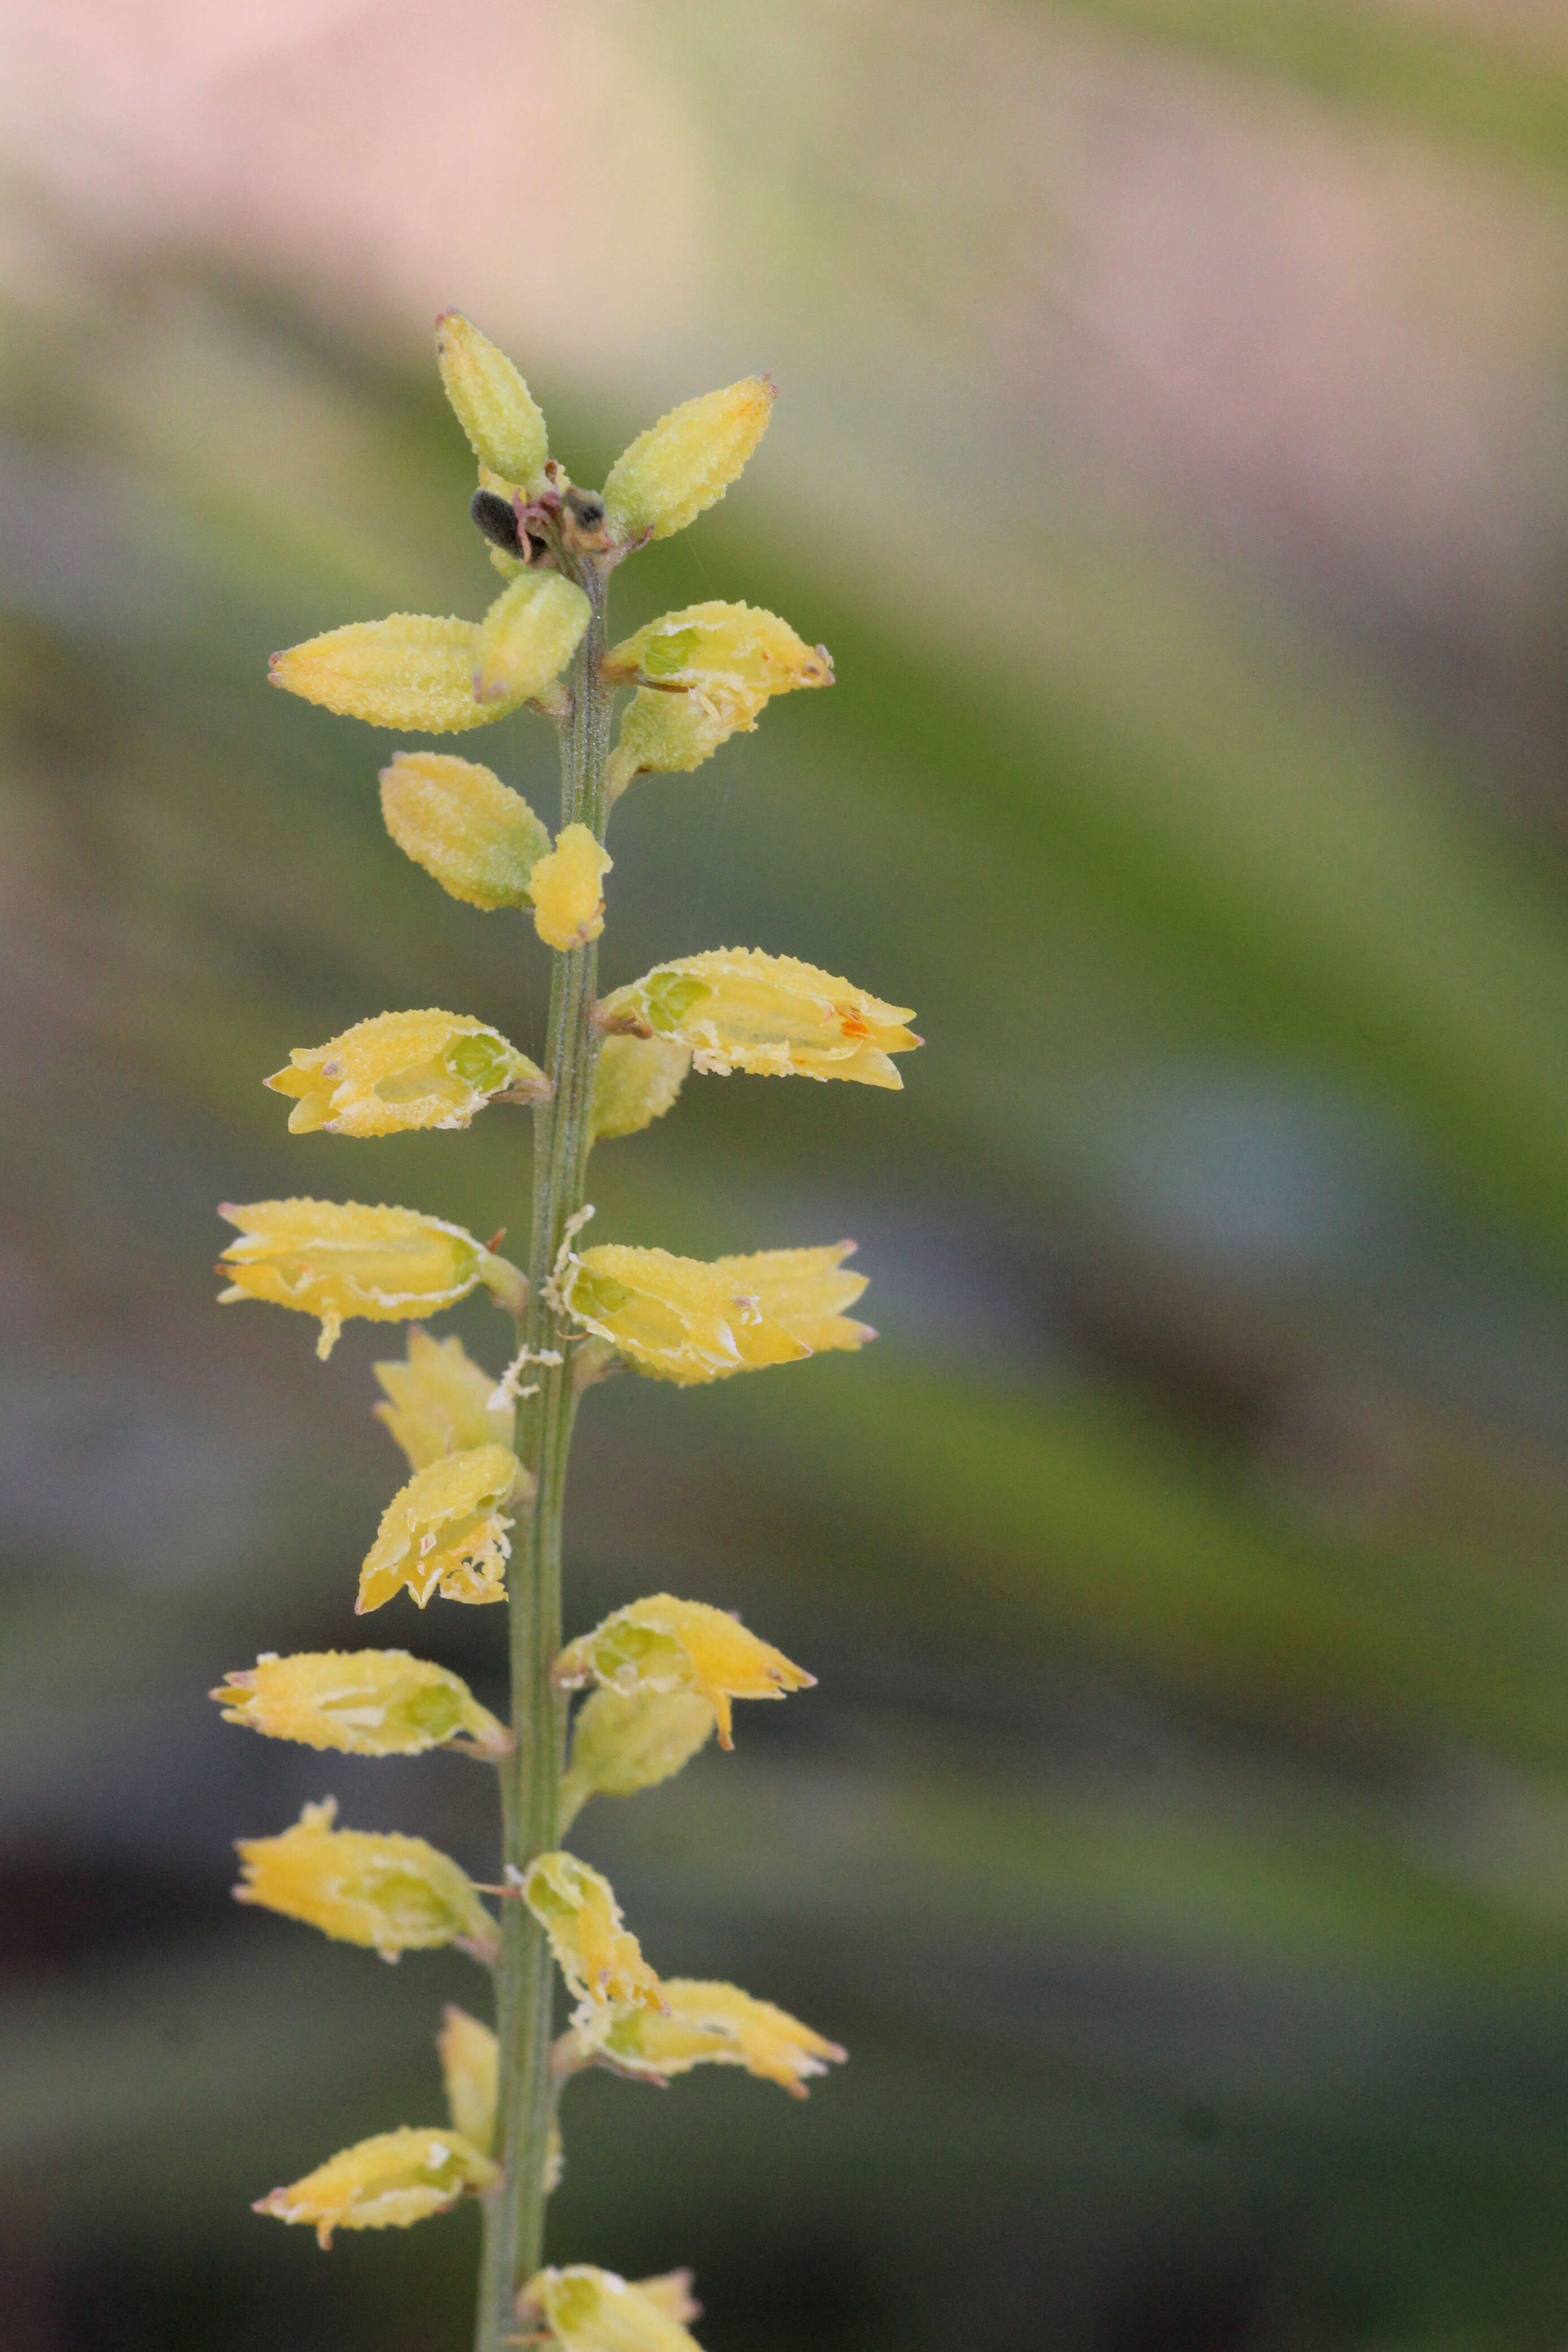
1172	448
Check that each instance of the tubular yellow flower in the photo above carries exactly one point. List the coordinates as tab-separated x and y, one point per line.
663	1645
709	2024
738	1009
623	1741
635	1081
589	2310
385	2183
364	1702
687	460
527	637
724	655
568	906
457	819
685	1319
403	1070
670	734
444	1531
409	670
439	1401
337	1258
598	1955
494	406
470	2056
392	1893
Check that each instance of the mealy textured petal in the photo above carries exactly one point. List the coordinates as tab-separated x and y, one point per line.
494	406
568	905
690	1320
663	1645
687	460
469	2057
392	1892
625	1741
409	670
337	1258
400	1071
470	832
712	2024
590	2310
738	1009
364	1702
635	1081
528	636
438	1401
385	2183
670	734
446	1531
723	655
596	1952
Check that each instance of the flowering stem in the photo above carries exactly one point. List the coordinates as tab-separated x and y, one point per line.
530	1774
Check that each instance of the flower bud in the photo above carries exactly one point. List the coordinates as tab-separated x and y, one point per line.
568	905
527	637
662	1645
457	819
687	460
444	1531
337	1258
635	1081
438	1401
625	1741
724	655
364	1702
687	1319
709	2024
395	1893
589	2310
469	2057
385	2183
403	1070
494	406
596	1954
739	1009
670	734
410	670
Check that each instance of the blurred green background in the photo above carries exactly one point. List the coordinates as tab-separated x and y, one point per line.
1172	448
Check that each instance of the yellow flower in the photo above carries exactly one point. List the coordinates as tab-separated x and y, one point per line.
494	406
469	2057
710	2025
402	1070
337	1258
663	1645
364	1702
589	2310
392	1893
568	906
596	1954
670	734
625	1741
635	1081
724	655
738	1009
410	670
672	2290
689	1319
385	2183
528	636
444	1531
439	1401
457	819
686	461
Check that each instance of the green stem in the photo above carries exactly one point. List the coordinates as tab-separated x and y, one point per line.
530	1776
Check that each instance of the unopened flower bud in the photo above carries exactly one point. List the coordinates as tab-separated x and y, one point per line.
738	1009
444	1531
687	460
385	2183
494	406
527	637
710	2024
663	1645
469	2059
438	1401
635	1081
625	1741
363	1702
403	1070
590	2310
457	819
338	1258
689	1319
410	670
723	655
392	1892
568	903
670	734
596	1952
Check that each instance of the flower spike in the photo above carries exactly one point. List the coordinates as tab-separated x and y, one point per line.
663	1645
738	1009
503	421
596	1952
444	1532
385	2183
410	670
392	1893
589	2310
689	1319
457	819
363	1702
405	1070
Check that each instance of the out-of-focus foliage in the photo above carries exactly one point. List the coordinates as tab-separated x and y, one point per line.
1179	1836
